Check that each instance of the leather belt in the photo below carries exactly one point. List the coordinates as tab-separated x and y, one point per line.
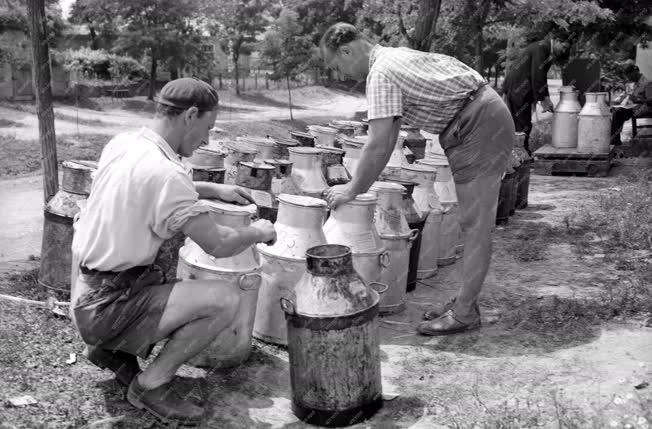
472	96
137	270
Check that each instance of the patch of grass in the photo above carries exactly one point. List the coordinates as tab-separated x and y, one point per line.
530	241
24	284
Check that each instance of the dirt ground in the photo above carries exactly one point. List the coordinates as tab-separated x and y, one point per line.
542	358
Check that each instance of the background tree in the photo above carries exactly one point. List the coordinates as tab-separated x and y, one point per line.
238	23
285	49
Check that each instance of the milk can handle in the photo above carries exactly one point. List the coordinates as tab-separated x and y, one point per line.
413	235
383	258
288	306
249	281
381	288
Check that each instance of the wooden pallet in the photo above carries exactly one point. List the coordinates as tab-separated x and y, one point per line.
549	160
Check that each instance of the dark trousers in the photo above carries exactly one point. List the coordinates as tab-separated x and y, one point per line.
618	118
521	112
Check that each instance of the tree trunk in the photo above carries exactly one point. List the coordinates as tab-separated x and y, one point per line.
479	46
43	91
236	71
174	73
219	79
93	35
152	78
425	26
287	79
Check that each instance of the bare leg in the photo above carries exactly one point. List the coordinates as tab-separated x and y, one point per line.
478	200
196	313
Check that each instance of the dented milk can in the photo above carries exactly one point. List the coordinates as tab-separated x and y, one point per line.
353	148
207	165
398	239
564	120
333	341
59	212
265	147
352	224
594	128
415	221
256	179
306	171
427	203
282	180
298	228
281	147
237	152
332	165
324	136
241	272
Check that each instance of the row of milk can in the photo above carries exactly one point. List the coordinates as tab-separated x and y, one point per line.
586	128
515	184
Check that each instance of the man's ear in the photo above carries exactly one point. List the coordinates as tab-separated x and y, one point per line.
190	115
346	50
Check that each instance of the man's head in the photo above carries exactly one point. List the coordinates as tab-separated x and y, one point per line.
343	48
187	109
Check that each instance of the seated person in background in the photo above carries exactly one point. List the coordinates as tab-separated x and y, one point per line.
141	195
631	103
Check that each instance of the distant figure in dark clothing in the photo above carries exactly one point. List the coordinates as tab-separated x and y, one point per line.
631	103
526	82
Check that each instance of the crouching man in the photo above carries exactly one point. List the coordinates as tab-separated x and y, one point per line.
142	194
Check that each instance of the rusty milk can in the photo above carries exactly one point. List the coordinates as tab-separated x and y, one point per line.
281	147
398	239
414	141
256	179
333	341
207	165
241	272
298	228
332	165
594	127
237	152
564	120
282	180
352	224
265	147
58	213
304	139
306	171
427	203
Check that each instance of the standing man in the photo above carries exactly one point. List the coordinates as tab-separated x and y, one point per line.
141	195
526	82
440	95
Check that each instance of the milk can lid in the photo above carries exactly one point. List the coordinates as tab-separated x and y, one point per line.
438	162
387	187
321	129
302	201
77	164
277	161
421	168
228	208
256	140
303	150
330	149
241	146
258	165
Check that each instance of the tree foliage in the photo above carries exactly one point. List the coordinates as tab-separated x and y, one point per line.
284	48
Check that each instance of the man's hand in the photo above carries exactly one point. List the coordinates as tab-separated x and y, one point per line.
233	194
266	229
338	195
547	106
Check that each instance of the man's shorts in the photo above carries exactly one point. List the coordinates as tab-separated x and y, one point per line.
479	140
121	312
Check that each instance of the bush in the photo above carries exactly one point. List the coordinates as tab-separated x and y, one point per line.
99	64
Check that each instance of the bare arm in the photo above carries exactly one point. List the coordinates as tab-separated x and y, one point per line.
376	153
228	193
221	241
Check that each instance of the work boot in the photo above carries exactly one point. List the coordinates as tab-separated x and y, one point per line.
441	309
124	365
447	324
165	403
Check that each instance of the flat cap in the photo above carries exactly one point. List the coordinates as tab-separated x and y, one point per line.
188	92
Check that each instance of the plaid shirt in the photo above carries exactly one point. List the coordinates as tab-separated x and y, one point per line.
426	89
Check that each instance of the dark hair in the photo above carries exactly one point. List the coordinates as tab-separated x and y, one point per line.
338	35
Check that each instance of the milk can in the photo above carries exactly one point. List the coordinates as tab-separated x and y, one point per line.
324	136
352	224
333	341
348	128
522	172
281	147
506	196
282	180
265	147
398	239
414	141
58	213
237	152
427	204
298	228
256	179
564	120
241	272
415	221
332	165
594	129
397	159
353	148
306	171
304	139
